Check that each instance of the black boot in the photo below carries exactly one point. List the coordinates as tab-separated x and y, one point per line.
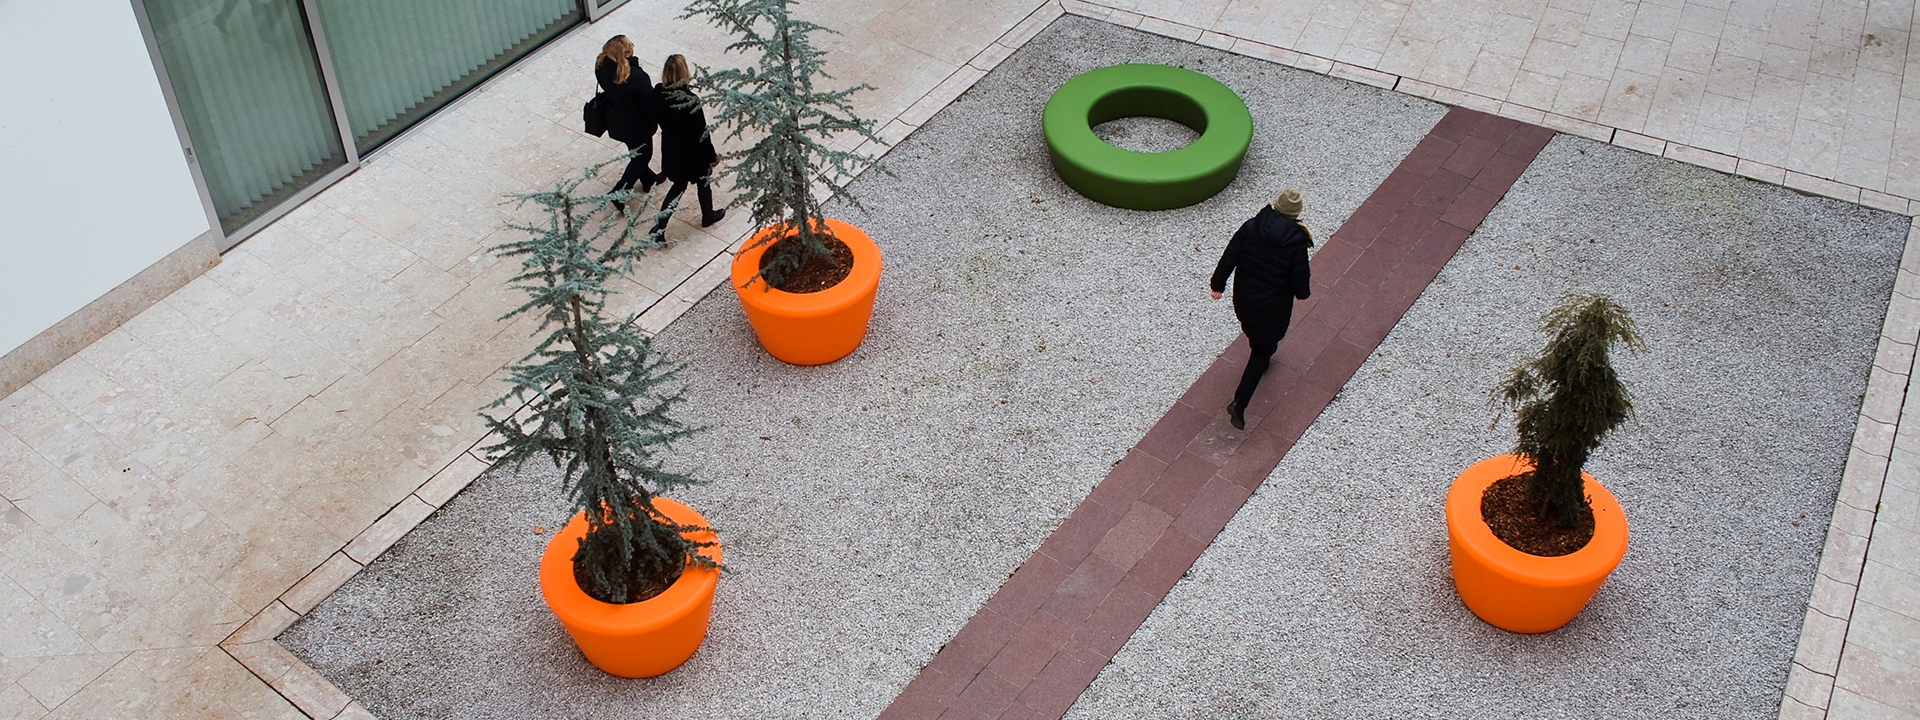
708	219
1236	415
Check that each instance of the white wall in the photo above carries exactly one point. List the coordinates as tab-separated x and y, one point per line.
94	186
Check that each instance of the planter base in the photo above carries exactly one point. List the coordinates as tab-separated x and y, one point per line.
640	639
1515	591
812	328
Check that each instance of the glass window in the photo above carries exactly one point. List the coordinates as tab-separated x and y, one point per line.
245	76
398	61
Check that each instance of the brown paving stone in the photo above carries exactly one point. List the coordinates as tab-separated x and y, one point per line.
1375	320
1168	437
1495	129
1470	207
1300	308
1216	383
1303	343
976	644
927	695
1399	187
1456	124
1036	581
1219	440
1341	303
1332	261
1437	246
1056	688
1472	154
1409	279
1129	539
1336	364
1165	563
1425	158
1499	172
1361	228
1021	711
1216	503
1440	190
1083	590
984	699
1412	223
1117	618
1258	455
1374	265
1298	409
1025	655
1124	484
1273	386
1084	527
1175	488
1527	141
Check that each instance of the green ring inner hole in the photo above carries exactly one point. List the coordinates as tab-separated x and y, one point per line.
1148	102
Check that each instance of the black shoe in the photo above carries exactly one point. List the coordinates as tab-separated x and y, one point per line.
708	220
1236	415
620	206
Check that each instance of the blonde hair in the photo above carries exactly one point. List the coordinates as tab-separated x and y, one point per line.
675	71
616	51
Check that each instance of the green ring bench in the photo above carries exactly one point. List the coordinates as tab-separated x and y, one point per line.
1137	180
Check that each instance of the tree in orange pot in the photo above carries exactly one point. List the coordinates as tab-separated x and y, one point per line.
797	252
1532	537
632	575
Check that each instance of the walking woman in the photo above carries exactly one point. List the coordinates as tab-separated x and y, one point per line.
1267	258
686	151
631	109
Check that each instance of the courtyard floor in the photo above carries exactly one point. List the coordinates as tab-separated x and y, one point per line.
186	489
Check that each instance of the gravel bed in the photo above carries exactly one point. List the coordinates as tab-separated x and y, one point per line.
1024	338
1330	594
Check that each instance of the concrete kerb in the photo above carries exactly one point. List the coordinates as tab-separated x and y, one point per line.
1843	557
253	645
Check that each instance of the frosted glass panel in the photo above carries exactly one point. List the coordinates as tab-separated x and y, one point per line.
248	85
398	60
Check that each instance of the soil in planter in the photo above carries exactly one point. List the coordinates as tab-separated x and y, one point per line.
641	585
1515	519
818	274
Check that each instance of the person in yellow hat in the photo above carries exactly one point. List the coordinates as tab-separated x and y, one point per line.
1267	258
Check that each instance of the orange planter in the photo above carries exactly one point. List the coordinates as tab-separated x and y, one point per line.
812	328
640	639
1515	591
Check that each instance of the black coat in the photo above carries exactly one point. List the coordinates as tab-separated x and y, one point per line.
686	152
1269	253
631	106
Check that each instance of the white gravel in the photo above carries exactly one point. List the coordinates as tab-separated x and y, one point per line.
1330	594
1026	337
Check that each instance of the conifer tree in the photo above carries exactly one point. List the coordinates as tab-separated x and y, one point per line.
596	394
775	175
1568	399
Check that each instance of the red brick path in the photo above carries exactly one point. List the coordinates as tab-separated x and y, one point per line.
1040	641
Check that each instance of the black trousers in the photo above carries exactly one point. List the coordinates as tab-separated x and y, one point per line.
637	170
1260	356
672	198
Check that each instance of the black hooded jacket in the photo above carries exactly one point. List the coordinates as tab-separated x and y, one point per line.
631	106
1268	257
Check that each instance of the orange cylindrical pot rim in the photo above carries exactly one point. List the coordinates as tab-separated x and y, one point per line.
858	285
691	595
1586	565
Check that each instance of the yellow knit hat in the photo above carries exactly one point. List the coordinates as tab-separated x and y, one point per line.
1289	203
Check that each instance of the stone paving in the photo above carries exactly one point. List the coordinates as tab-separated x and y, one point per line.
180	490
